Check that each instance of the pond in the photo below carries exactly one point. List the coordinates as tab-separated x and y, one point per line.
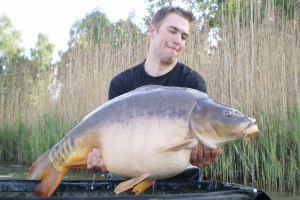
20	172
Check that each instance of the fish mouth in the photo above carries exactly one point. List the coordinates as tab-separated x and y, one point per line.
252	131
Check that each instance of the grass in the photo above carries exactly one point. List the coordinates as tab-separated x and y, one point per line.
255	69
24	144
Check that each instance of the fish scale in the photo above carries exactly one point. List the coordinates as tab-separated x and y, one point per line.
60	153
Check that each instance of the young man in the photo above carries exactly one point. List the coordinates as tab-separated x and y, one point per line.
168	33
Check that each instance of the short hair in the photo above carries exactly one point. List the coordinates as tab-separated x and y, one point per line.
160	15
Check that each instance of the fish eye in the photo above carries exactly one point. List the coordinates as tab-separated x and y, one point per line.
228	113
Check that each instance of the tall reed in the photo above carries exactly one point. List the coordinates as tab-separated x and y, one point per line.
255	69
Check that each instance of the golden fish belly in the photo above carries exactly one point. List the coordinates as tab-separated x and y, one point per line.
130	149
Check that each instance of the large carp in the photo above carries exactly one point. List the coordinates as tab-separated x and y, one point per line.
144	135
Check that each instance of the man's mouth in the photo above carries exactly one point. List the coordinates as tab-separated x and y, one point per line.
173	50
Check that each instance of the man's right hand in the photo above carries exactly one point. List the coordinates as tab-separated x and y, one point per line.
95	161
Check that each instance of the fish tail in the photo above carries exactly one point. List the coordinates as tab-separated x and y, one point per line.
44	170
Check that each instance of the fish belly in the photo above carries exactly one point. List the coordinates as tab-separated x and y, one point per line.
129	149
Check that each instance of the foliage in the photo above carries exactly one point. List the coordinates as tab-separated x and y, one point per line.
124	31
91	28
10	39
22	81
204	10
235	8
42	53
289	6
95	28
153	5
24	143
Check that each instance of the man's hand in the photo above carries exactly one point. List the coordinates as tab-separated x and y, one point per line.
95	161
203	156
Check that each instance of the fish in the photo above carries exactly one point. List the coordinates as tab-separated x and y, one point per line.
143	135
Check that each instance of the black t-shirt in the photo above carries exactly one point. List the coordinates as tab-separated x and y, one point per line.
180	76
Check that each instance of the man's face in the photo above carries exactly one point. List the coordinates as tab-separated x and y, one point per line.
169	39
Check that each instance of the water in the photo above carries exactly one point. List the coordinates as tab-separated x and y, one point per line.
20	172
13	171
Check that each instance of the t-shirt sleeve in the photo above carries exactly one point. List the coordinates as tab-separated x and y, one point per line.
119	85
114	90
199	85
196	81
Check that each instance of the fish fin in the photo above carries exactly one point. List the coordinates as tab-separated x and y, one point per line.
183	144
142	186
37	169
78	166
77	161
126	185
50	178
204	141
49	182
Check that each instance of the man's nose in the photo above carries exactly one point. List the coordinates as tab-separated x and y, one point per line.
177	39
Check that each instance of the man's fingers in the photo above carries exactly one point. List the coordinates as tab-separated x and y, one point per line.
101	162
206	156
200	155
194	156
203	156
95	162
215	153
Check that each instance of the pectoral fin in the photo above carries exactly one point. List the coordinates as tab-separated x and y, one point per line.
142	186
204	141
183	144
126	185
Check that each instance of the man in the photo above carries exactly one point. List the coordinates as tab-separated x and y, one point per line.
168	33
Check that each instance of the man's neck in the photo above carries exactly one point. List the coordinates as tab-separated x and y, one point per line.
155	68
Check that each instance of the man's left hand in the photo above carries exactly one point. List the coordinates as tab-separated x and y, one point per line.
204	156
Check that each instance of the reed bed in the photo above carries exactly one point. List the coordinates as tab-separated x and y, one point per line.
255	69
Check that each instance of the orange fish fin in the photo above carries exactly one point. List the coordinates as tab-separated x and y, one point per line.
142	186
77	162
183	144
78	166
126	185
49	182
50	178
37	169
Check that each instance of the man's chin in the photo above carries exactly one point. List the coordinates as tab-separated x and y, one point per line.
170	60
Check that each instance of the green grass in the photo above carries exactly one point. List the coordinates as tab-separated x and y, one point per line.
25	143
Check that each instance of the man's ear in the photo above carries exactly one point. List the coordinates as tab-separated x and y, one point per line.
151	30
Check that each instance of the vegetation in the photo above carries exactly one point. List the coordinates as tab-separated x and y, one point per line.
255	69
10	50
